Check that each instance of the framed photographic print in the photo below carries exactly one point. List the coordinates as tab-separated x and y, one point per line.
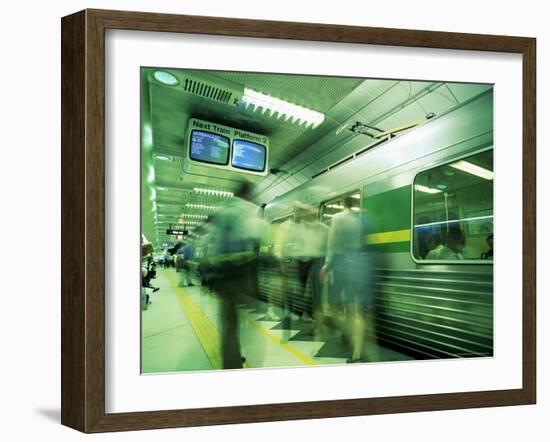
270	220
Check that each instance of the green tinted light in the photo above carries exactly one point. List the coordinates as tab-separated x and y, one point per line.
165	78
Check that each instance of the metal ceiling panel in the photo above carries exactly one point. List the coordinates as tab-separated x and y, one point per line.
296	151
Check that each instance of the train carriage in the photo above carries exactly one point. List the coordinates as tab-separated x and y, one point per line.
426	182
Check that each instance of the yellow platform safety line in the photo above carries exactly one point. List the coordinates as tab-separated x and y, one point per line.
209	336
206	331
276	340
387	237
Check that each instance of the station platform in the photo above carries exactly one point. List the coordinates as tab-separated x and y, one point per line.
181	332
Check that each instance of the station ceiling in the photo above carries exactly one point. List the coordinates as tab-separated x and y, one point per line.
297	152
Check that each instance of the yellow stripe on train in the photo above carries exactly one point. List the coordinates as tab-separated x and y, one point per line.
387	237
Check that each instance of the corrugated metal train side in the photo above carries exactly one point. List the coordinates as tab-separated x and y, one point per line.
424	310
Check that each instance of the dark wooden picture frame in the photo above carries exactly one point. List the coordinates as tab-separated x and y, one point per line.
83	220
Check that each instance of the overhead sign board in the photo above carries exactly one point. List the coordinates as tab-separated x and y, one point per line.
213	148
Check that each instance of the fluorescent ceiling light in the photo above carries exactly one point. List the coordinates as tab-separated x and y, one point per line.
166	78
193	215
201	206
189	222
455	221
472	169
425	189
162	157
335	206
213	192
282	109
150	174
147	136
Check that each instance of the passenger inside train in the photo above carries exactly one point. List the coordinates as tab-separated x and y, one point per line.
302	220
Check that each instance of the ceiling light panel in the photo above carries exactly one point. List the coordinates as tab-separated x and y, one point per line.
426	189
473	169
166	78
213	192
201	206
281	109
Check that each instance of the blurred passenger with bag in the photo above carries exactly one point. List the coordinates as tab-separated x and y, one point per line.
349	271
304	252
231	265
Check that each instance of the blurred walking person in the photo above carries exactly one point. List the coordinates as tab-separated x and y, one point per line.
307	249
232	256
185	255
349	271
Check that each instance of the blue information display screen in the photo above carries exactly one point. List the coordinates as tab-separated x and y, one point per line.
209	147
248	155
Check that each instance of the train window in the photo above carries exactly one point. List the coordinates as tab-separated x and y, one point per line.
337	205
453	211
